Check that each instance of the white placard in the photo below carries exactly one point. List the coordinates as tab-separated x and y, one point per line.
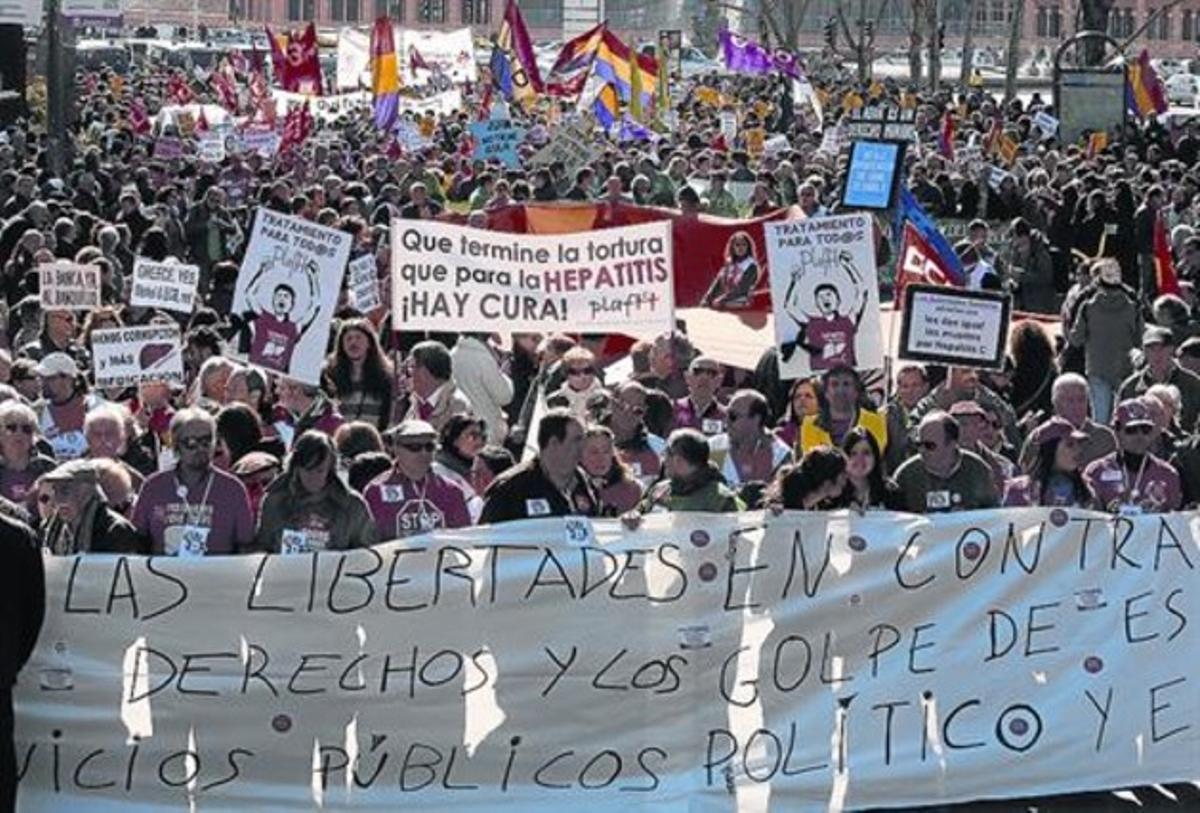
363	285
69	286
952	326
447	277
451	52
288	289
167	285
126	356
825	294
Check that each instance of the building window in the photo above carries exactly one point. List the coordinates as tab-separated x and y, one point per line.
294	11
310	10
390	8
431	11
1185	32
541	13
476	12
1043	22
1164	26
1055	23
337	10
351	11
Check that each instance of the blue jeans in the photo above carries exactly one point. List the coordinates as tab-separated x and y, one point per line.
1102	399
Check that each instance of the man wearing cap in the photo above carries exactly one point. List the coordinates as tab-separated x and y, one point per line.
1069	396
411	498
1107	325
549	485
972	423
1131	480
81	522
67	401
1158	346
700	409
944	477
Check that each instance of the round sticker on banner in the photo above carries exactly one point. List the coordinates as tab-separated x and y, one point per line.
1093	664
1058	517
578	531
700	538
857	544
707	572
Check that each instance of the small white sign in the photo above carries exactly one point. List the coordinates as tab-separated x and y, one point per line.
125	356
170	286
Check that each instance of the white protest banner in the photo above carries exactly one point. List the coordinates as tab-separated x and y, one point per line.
996	176
409	136
211	148
69	286
168	285
825	294
126	356
777	145
263	142
447	277
353	59
718	663
451	53
168	148
323	108
440	104
1045	122
363	284
570	146
288	289
945	325
497	140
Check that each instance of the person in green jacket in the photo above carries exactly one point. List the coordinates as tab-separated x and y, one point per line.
720	201
308	508
692	482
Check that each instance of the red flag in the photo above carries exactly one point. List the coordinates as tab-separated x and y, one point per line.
946	137
202	122
919	263
297	127
139	121
1164	266
297	61
278	61
178	90
225	90
568	88
416	61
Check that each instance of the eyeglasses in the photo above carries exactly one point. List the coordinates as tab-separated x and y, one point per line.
580	371
25	428
199	442
1140	429
45	499
418	447
928	445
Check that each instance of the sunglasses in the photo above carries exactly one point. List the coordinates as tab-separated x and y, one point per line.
188	444
927	445
1140	429
580	371
418	447
45	499
25	428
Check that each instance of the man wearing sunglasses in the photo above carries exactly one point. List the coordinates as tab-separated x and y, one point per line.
943	476
194	509
411	498
700	409
1131	480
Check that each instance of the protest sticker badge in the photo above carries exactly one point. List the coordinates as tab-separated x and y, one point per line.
287	289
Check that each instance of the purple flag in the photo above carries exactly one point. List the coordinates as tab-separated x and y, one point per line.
747	56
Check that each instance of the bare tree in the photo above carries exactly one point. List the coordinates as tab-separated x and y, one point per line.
933	24
915	40
1014	51
867	25
968	52
1092	15
781	20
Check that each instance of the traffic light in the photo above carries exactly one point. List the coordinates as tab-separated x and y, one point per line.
426	10
831	34
941	37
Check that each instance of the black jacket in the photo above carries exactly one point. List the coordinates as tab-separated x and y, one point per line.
523	492
22	597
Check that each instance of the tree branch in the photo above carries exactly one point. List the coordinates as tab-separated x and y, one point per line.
1150	20
846	28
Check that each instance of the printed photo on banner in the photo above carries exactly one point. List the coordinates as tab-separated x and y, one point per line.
127	356
287	290
954	326
363	285
69	286
825	293
447	277
167	285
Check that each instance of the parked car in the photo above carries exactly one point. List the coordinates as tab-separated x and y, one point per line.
1183	89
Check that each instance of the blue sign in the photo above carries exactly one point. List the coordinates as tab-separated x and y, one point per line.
497	140
872	175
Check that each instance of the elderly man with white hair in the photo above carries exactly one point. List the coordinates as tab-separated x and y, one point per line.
106	429
1070	399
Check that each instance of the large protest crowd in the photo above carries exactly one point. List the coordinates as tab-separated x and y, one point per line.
1095	406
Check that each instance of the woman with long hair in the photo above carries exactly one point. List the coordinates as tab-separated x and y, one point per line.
618	489
1057	477
738	277
866	486
360	375
308	508
804	399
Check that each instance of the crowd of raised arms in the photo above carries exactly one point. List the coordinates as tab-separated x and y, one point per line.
1096	404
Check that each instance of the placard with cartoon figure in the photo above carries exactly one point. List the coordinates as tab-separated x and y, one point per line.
287	292
825	294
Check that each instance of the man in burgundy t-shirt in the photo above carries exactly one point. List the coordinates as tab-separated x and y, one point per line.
409	498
